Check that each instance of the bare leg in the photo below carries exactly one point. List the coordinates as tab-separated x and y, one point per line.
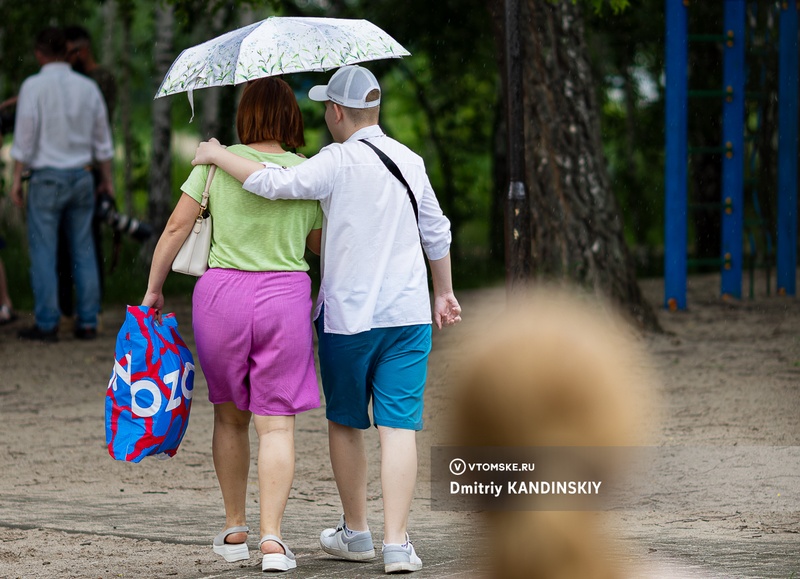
230	447
5	298
398	479
349	462
275	473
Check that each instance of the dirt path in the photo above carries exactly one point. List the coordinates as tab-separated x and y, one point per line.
730	379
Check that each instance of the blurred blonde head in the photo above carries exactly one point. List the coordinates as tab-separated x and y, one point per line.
559	368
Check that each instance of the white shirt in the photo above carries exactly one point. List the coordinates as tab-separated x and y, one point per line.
373	270
62	121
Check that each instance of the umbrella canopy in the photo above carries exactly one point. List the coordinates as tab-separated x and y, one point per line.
278	45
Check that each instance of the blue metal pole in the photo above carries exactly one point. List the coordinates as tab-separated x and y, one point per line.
787	150
733	78
675	179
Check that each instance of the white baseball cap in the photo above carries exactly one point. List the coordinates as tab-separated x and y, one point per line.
348	87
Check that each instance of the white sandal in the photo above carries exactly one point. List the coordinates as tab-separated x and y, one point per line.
277	561
231	552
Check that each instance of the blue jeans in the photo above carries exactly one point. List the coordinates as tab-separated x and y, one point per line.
54	194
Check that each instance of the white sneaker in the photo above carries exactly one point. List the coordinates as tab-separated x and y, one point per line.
356	546
400	558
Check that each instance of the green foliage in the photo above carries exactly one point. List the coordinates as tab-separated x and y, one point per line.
626	51
598	6
443	101
616	6
194	14
440	101
22	21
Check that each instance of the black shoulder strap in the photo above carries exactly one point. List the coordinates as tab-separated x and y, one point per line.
395	170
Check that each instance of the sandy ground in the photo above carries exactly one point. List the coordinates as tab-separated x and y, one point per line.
729	505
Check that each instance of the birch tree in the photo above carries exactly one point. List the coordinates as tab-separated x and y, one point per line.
161	158
576	224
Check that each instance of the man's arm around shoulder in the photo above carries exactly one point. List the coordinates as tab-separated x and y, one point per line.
212	153
312	179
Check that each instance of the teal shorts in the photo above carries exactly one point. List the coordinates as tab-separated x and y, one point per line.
386	365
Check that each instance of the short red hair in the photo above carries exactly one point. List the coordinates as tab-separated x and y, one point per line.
268	111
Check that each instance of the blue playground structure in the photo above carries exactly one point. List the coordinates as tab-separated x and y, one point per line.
734	41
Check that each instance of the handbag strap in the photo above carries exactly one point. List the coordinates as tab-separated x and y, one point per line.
204	201
395	170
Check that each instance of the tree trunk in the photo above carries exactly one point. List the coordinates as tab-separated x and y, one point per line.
210	124
109	10
126	8
161	159
765	70
577	230
500	161
219	103
500	179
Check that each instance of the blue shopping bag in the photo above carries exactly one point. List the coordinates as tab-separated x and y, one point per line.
150	391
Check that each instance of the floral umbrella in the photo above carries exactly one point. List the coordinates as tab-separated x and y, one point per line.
277	45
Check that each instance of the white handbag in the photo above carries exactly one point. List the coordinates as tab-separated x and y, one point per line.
192	258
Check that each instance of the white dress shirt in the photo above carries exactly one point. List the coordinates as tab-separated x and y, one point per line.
61	121
373	270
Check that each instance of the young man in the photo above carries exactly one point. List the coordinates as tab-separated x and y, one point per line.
81	57
373	311
61	129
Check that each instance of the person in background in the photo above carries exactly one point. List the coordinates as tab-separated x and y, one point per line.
7	314
81	58
373	315
61	129
252	318
7	116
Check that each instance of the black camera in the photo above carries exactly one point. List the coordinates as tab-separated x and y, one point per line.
106	211
7	117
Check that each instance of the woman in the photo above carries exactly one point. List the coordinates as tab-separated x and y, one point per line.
251	318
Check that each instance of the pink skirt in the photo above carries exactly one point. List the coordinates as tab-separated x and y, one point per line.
254	341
